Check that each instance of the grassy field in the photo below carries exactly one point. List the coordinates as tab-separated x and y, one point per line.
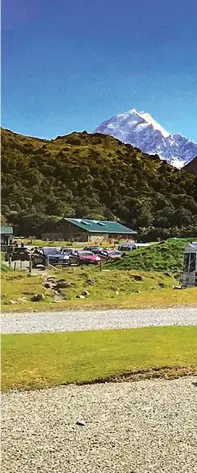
34	242
43	360
164	256
129	289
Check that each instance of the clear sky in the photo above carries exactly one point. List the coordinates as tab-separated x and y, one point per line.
69	64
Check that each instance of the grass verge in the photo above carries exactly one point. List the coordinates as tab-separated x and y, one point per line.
107	289
45	360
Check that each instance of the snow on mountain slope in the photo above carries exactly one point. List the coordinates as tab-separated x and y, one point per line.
142	131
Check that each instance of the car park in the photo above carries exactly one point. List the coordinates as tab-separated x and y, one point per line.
52	256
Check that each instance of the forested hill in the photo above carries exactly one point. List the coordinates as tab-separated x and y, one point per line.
191	166
95	176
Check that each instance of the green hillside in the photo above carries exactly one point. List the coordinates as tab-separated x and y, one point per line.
164	256
91	175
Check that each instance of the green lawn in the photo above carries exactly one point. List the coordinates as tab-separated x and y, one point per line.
43	360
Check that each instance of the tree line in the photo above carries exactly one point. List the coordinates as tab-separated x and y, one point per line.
93	176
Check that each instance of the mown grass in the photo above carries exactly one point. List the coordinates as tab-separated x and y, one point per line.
132	289
44	360
164	256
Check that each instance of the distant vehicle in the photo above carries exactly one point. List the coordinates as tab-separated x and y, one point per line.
114	254
17	253
52	255
97	250
189	277
67	251
84	257
127	247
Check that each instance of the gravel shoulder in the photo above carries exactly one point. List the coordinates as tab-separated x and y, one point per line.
136	427
73	320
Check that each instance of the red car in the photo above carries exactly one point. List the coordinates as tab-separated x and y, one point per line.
84	257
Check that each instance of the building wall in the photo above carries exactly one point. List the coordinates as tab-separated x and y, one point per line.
84	237
53	236
65	231
98	237
109	236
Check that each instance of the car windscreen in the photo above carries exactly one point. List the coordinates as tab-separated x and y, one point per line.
51	252
85	253
96	248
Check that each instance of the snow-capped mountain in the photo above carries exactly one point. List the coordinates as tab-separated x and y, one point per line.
142	131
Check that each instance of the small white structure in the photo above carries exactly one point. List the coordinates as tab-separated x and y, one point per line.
190	265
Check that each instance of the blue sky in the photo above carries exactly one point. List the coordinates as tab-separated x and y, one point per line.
69	64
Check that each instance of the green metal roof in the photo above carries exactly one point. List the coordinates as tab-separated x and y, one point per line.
6	230
100	226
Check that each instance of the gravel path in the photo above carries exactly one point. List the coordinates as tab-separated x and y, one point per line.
75	320
140	427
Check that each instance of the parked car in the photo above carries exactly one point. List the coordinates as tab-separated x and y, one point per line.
97	250
124	247
84	257
68	251
52	255
114	254
17	253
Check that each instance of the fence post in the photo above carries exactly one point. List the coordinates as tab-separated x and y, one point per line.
10	261
14	265
100	265
47	262
30	265
21	264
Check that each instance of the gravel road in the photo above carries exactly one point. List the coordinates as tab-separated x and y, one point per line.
75	320
140	427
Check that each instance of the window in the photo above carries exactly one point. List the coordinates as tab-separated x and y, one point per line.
186	262
192	262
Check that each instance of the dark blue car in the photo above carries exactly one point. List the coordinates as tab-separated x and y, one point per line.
52	256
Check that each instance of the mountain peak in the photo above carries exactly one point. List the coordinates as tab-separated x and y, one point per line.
149	120
142	131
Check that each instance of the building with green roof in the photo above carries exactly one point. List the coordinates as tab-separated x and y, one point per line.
6	236
83	229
